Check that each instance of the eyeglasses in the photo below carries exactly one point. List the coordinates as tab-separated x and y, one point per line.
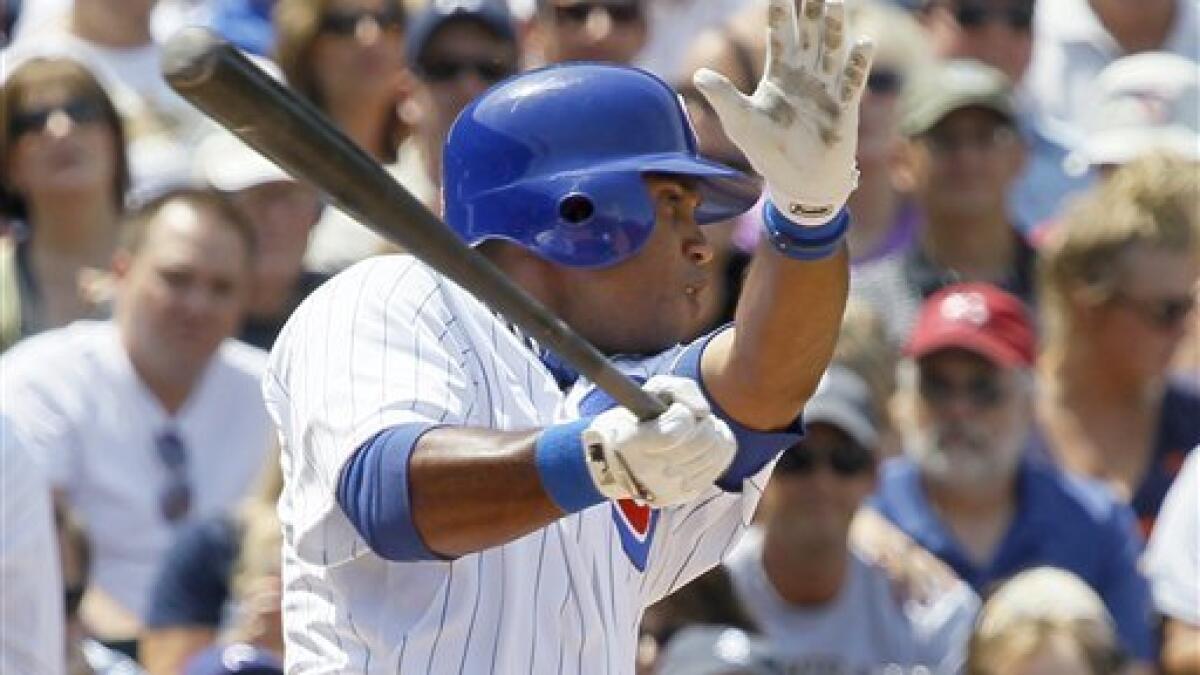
81	110
578	13
983	391
488	70
345	24
971	16
847	460
944	143
883	81
1165	313
176	498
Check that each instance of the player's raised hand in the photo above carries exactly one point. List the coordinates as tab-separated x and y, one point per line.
799	128
665	461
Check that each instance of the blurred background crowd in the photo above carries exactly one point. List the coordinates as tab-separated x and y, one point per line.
997	474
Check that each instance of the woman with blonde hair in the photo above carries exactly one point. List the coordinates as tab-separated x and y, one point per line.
1117	288
66	175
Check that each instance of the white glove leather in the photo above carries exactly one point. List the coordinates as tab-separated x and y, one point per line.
665	461
800	127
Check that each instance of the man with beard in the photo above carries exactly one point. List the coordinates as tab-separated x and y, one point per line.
964	488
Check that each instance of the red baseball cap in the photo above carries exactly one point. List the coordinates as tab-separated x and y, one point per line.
979	318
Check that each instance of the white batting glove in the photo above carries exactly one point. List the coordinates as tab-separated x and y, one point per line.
665	461
800	127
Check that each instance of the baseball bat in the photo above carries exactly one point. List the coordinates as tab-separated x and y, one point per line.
219	80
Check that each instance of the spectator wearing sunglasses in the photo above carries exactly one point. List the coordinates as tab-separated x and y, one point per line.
588	30
347	58
822	605
457	49
966	488
1118	281
155	417
64	151
960	156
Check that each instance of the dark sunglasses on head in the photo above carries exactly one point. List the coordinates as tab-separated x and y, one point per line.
346	23
81	110
488	70
579	13
847	460
984	391
176	498
884	81
971	15
1165	313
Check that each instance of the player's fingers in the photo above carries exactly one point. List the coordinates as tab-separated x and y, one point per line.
812	13
833	37
782	42
854	74
733	108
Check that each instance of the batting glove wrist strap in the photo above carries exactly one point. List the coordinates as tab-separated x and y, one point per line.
801	242
562	465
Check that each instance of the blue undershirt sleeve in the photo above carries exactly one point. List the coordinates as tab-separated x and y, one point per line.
373	493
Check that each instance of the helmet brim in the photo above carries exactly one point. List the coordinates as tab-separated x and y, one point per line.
726	192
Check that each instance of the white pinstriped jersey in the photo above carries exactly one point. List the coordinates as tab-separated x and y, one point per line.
390	342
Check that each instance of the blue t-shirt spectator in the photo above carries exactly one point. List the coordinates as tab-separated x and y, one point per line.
1061	521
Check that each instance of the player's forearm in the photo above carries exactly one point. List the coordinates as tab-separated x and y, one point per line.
473	489
1181	648
788	317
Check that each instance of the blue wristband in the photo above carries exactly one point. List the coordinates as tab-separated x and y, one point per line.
804	243
562	466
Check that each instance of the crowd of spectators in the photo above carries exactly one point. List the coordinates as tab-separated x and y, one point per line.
997	474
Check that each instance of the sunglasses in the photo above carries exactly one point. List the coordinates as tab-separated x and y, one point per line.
81	110
984	391
970	15
884	81
579	13
944	143
846	460
1163	313
345	24
488	70
176	498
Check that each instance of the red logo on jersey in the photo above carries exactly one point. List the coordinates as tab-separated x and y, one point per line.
635	524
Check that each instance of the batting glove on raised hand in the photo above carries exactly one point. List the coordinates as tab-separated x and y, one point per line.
665	461
800	127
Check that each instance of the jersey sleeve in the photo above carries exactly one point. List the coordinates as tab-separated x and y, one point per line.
373	349
1172	558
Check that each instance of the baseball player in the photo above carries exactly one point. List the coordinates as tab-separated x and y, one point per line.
456	499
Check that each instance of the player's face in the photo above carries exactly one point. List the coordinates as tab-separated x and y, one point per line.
183	293
818	485
963	167
970	419
656	298
1150	308
592	30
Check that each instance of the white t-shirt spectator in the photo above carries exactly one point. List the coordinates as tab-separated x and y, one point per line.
674	24
31	592
1071	47
75	396
869	626
1172	559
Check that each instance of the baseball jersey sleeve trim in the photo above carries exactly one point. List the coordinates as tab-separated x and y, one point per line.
755	449
373	493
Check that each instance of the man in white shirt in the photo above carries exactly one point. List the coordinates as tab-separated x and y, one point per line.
31	590
823	606
155	416
1172	563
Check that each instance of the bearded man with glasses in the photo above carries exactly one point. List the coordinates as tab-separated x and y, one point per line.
966	488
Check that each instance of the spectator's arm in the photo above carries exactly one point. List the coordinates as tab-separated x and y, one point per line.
165	651
1180	648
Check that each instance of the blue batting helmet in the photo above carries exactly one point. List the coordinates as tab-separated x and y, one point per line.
553	160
